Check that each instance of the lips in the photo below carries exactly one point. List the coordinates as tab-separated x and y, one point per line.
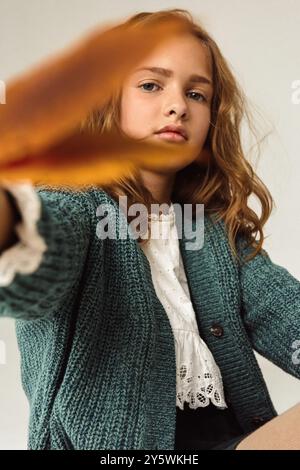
175	129
171	136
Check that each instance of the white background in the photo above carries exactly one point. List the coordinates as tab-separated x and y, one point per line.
260	39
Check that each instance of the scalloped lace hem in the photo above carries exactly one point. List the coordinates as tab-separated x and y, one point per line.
198	377
199	391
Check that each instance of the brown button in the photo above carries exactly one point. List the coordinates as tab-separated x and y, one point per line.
258	420
217	330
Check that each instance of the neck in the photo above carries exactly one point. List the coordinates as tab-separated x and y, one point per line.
160	185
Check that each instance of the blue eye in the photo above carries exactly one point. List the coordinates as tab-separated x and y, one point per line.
148	83
199	94
203	98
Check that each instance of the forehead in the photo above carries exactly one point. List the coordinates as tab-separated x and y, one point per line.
184	53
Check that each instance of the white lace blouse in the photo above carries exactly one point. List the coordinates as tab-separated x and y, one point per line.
198	378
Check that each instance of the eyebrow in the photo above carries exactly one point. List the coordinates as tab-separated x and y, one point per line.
169	73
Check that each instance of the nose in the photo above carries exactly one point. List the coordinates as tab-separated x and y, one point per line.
176	103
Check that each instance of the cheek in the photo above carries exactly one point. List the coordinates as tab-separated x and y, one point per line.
136	116
202	124
128	112
124	108
130	105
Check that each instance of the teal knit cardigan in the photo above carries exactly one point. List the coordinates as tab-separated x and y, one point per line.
97	349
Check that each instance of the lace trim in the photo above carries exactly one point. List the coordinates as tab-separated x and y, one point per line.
26	255
198	377
169	216
198	390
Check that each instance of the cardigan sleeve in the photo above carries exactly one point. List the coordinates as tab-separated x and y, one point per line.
270	297
58	239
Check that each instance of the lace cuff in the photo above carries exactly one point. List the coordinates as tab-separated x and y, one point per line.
25	256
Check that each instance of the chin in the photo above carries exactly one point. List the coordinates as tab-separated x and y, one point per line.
170	169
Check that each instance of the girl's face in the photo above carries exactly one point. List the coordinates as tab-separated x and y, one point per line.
178	92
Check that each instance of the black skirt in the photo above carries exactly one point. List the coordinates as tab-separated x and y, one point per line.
207	428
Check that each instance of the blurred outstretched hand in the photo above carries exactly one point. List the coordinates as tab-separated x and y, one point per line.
41	138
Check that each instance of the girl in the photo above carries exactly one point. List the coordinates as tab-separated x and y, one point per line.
148	343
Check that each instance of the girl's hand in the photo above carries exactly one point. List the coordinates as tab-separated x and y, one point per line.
8	218
40	136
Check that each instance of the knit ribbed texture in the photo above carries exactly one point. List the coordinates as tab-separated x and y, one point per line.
97	349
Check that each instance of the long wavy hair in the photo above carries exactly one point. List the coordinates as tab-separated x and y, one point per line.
225	179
